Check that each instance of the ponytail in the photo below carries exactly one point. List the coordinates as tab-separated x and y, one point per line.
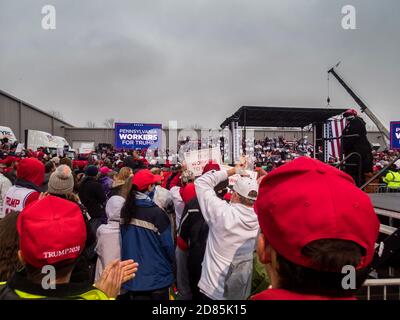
128	211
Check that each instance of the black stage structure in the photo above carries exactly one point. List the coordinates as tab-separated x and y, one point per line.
293	117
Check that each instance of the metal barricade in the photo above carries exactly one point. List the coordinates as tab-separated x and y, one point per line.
380	188
380	289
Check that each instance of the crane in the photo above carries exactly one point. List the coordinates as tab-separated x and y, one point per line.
381	127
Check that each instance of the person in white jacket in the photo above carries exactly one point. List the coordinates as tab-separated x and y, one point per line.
108	246
5	185
233	229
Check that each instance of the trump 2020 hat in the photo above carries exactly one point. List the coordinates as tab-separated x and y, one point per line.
51	230
307	200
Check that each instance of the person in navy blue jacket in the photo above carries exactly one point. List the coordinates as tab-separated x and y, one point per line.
146	237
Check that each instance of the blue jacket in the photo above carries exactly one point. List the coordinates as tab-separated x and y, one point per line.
148	241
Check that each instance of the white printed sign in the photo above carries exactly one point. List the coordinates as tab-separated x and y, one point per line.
19	148
86	148
196	160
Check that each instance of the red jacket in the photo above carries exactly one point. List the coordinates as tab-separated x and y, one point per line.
176	181
281	294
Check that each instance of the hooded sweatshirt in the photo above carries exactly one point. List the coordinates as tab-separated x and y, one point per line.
180	196
162	197
108	246
5	185
179	205
233	229
27	188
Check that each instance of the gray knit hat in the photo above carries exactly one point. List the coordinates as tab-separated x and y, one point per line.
61	181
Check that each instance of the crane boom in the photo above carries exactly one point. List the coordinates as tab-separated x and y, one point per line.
362	105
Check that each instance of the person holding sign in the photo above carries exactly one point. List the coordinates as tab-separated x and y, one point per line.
233	228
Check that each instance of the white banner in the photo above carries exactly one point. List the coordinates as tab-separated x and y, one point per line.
196	160
86	148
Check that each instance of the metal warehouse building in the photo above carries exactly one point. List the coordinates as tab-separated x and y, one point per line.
20	115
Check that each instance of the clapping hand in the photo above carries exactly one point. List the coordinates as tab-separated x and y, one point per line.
114	275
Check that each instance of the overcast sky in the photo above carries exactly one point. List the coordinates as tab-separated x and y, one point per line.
196	61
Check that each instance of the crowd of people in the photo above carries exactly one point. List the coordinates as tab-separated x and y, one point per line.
271	153
139	230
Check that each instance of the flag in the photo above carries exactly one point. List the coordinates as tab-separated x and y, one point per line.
334	129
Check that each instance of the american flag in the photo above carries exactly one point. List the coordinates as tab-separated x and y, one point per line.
333	129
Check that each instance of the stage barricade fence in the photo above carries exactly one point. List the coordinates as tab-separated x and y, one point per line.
380	289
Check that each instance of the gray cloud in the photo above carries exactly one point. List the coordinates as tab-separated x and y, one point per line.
196	61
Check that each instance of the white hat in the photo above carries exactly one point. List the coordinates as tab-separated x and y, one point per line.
244	186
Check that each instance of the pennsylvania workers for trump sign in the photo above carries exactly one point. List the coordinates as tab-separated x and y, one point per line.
395	135
138	136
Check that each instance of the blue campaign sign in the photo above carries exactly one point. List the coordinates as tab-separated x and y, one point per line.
138	136
395	135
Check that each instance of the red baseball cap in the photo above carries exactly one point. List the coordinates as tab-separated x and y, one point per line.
307	200
51	230
105	170
144	178
8	160
211	166
187	192
350	112
32	170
